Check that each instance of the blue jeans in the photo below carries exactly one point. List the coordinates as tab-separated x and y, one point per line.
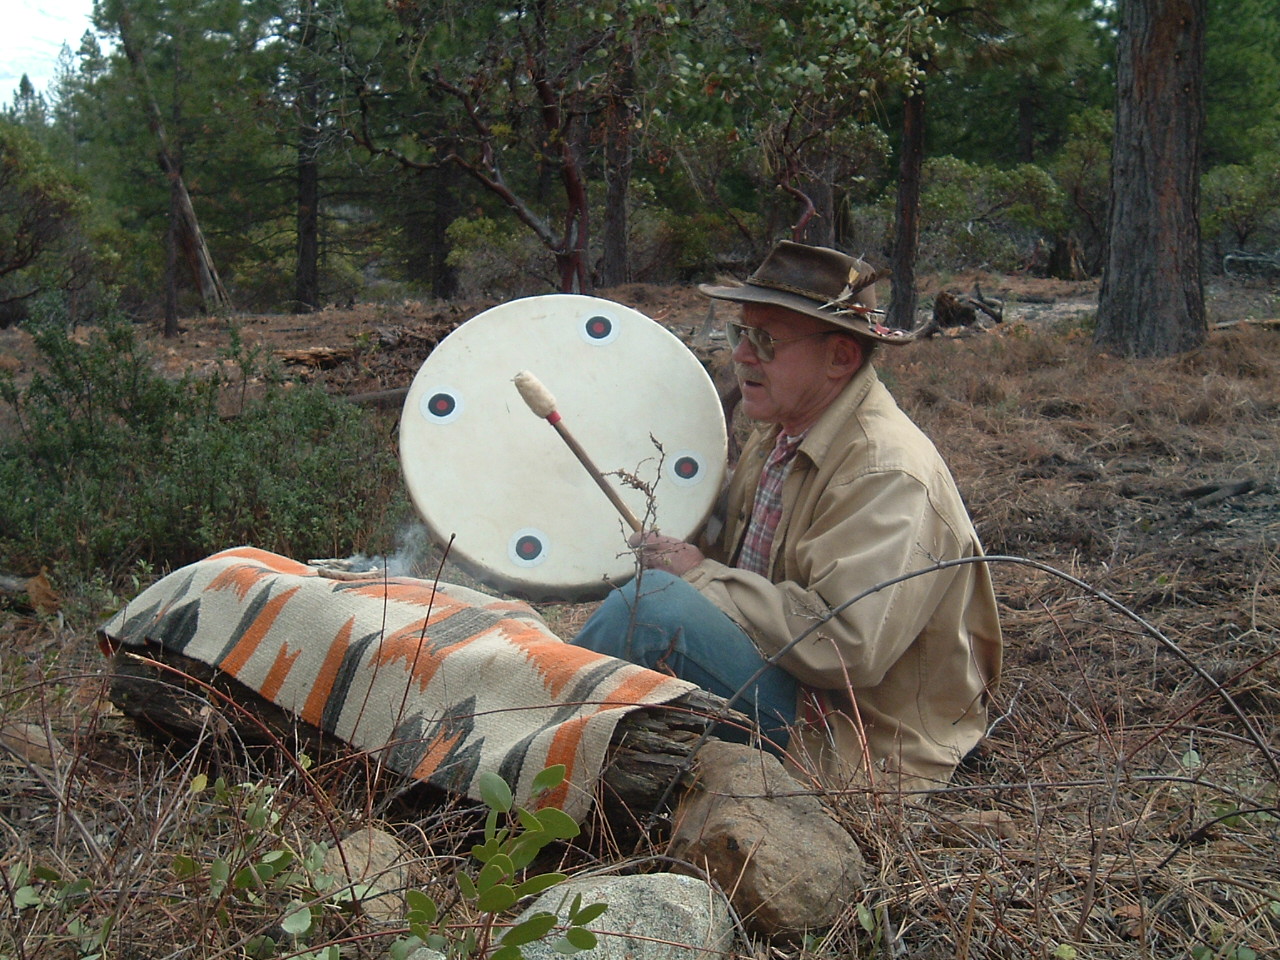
674	629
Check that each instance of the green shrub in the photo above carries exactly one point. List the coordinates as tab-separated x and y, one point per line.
978	215
106	463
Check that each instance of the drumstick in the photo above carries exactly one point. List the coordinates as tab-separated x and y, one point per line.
543	404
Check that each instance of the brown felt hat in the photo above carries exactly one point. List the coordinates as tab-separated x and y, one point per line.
819	282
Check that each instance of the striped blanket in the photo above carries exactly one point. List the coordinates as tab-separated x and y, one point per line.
446	682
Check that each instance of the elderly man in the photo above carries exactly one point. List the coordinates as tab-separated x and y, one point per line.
836	492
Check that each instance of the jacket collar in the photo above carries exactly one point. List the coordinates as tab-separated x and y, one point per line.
830	424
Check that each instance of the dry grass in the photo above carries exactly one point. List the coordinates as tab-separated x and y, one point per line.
1124	805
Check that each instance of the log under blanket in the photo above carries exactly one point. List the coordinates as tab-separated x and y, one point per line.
445	681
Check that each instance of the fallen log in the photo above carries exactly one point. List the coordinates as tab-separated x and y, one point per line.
175	697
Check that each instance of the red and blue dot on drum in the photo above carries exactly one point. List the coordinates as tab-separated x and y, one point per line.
524	515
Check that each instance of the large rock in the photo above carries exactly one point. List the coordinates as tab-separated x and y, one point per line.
376	865
789	866
660	916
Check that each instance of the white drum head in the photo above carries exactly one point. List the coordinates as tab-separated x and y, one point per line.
525	515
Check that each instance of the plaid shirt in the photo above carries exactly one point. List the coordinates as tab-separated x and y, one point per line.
757	542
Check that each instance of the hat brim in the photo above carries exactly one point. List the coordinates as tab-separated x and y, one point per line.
862	324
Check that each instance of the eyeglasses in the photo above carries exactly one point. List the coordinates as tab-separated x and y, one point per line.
763	342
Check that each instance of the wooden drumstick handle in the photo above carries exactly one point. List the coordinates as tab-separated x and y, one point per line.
542	403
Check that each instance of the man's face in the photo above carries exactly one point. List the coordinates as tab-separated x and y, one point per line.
806	373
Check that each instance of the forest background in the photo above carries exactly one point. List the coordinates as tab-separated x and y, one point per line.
281	156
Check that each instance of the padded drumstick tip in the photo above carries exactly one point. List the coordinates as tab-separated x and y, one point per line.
538	397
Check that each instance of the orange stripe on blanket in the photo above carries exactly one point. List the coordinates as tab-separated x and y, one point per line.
564	745
241	577
234	661
272	561
633	691
563	749
406	591
437	750
408	644
313	709
557	662
279	671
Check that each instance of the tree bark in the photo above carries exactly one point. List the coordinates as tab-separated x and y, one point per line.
1151	301
198	255
615	265
171	264
902	307
306	276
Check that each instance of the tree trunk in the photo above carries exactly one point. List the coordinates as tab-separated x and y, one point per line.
615	266
902	308
306	287
445	208
171	265
197	251
1151	301
1028	108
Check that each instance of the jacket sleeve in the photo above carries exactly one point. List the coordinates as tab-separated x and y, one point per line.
868	530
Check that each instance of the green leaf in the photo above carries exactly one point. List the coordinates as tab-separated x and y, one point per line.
1065	951
580	938
467	886
587	914
76	890
279	859
25	897
198	784
543	881
527	819
496	899
421	907
865	919
403	948
185	867
526	847
534	928
494	791
493	872
484	852
547	779
558	823
260	947
219	873
506	953
357	891
299	921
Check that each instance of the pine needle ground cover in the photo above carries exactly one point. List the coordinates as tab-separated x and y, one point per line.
1124	804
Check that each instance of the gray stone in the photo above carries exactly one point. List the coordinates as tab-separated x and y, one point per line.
660	916
789	866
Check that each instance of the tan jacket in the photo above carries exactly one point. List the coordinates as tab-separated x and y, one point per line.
908	668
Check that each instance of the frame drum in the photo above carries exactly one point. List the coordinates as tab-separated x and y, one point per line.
526	516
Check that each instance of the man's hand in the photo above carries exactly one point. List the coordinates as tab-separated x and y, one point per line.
657	552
